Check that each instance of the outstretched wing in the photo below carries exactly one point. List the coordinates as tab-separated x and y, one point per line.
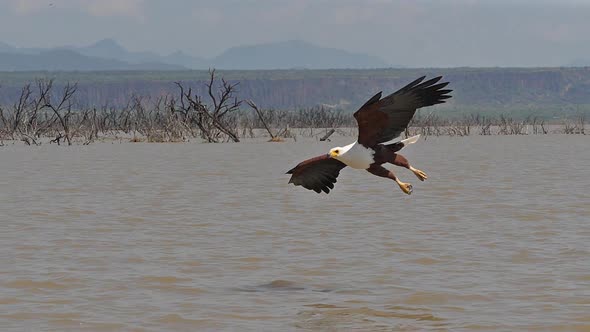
317	174
381	120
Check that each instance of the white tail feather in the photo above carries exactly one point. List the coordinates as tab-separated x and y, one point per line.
411	140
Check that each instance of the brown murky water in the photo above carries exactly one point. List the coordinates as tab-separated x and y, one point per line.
202	237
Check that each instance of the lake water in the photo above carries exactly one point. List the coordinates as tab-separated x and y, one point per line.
210	237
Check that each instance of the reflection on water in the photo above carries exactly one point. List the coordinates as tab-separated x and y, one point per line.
186	237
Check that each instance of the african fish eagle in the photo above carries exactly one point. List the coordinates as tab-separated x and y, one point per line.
380	121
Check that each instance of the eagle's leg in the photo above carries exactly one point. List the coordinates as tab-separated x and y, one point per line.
401	161
383	172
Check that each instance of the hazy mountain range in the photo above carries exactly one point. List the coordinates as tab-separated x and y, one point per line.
107	54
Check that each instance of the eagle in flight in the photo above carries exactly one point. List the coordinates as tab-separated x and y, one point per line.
380	121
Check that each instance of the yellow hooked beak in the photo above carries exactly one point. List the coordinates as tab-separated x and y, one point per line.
333	154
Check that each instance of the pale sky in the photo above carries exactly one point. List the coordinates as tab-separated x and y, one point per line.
415	33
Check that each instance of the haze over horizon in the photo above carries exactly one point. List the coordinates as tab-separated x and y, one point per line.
420	33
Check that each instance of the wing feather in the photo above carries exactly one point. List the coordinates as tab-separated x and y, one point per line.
381	120
317	174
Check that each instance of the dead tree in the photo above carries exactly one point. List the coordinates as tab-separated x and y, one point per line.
539	126
216	118
23	119
461	126
328	134
273	137
224	104
84	125
62	108
483	123
574	126
19	109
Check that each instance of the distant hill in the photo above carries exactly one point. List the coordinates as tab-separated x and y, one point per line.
103	55
280	55
110	49
293	54
67	60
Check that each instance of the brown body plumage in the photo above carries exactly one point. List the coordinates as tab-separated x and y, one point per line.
380	120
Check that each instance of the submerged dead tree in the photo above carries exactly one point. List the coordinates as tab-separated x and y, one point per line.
575	127
264	120
216	118
24	120
62	108
327	135
48	112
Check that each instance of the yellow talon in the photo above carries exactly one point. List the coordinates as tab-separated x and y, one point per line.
406	187
420	174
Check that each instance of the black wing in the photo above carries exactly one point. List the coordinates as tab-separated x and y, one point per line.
317	174
381	120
